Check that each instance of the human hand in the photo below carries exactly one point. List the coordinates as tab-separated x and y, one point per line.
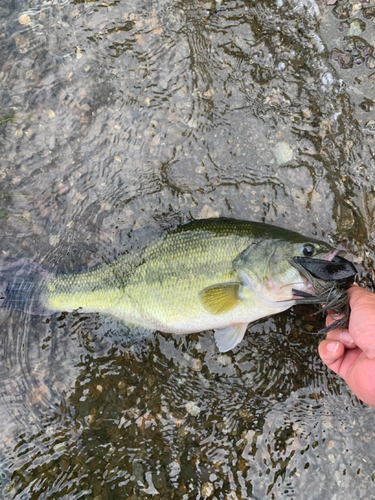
350	352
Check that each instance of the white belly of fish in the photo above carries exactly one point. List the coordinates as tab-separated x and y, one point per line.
229	327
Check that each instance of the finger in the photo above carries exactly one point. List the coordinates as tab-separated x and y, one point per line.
337	358
359	295
342	335
332	354
362	319
347	369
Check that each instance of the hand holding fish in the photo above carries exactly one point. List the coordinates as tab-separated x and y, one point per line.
351	352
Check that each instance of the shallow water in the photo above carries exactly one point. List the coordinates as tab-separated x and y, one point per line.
119	116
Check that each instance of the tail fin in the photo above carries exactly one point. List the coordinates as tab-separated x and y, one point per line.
23	286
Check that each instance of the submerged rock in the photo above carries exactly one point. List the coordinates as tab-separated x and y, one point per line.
342	11
370	125
369	13
356	45
344	60
357	26
283	152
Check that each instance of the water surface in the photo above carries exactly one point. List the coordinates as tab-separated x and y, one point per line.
121	117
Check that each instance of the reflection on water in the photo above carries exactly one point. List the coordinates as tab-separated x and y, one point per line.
117	116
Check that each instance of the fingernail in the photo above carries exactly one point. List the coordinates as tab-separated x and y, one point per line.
346	338
332	347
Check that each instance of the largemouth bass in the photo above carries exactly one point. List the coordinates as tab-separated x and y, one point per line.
215	274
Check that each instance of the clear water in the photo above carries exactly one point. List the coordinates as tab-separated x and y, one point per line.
121	115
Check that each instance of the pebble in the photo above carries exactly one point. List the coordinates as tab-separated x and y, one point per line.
224	360
39	394
145	421
31	75
357	27
54	240
24	19
231	496
192	408
370	125
196	364
207	489
283	152
369	13
331	458
356	8
367	51
347	220
207	212
52	142
341	11
328	79
344	60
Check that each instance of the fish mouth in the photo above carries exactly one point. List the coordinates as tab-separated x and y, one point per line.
314	270
326	283
332	254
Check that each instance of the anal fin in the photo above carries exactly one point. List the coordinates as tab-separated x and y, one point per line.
227	338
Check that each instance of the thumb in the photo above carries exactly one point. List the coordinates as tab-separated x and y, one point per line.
332	354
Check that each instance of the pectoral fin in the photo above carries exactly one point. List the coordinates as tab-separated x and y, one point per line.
227	338
219	299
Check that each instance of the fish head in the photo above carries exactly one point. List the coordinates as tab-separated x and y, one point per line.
282	277
269	267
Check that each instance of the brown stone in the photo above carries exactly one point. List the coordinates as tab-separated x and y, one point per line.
369	13
367	51
341	11
344	60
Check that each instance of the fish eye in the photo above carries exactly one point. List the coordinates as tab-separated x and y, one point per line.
308	250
